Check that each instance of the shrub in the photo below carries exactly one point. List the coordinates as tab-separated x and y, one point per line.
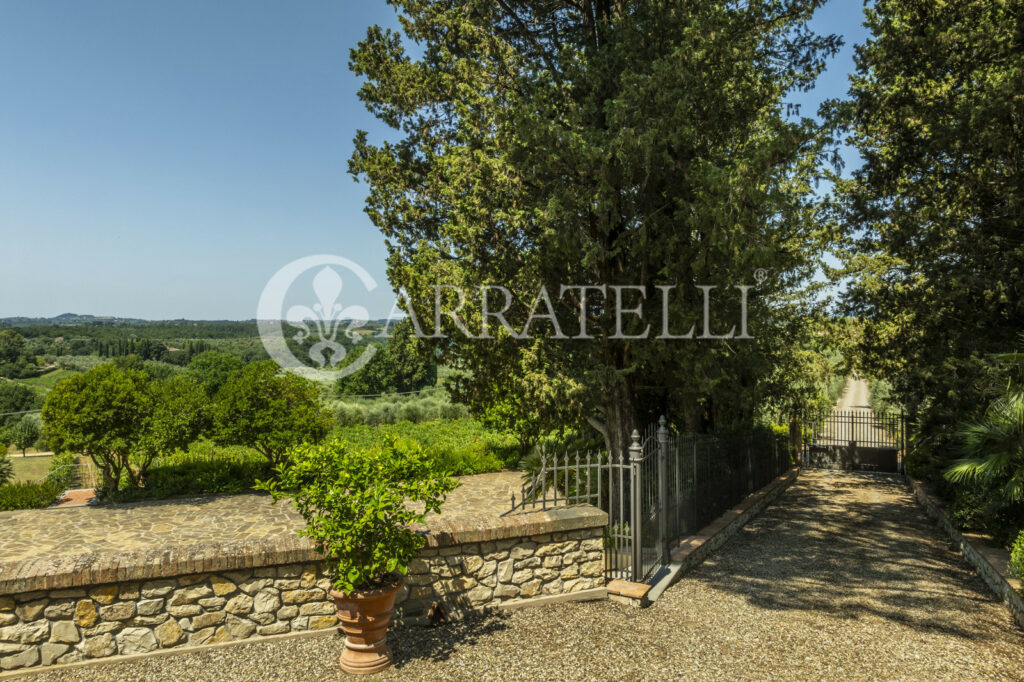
354	504
204	469
411	412
993	450
454	411
197	477
1017	556
346	414
462	446
28	495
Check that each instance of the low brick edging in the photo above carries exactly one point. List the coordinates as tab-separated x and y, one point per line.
998	580
696	548
96	606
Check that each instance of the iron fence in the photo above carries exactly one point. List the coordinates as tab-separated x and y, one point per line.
77	476
854	439
664	487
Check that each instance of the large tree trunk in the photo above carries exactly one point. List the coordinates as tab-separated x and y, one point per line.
110	475
619	419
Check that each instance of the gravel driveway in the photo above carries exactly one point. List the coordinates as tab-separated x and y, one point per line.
842	578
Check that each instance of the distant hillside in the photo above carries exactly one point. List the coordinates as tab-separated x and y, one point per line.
72	319
65	319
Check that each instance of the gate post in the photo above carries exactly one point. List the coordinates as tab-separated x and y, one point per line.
636	456
663	490
901	443
796	439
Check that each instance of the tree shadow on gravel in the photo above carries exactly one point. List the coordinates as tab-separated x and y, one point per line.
855	546
418	643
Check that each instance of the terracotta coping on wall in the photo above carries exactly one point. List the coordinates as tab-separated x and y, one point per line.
88	569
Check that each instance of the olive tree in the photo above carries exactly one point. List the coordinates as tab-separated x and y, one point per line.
25	433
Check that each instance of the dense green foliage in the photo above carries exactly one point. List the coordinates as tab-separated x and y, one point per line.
933	220
404	363
123	420
204	468
429	405
560	144
61	469
29	495
212	368
458	446
6	469
24	433
1017	556
881	397
355	503
989	477
270	412
14	397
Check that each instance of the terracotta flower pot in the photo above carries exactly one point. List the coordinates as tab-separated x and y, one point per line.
364	619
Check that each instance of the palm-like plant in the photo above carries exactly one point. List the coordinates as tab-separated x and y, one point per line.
993	448
6	468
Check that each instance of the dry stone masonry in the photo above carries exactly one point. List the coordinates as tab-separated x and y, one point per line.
96	606
474	576
65	626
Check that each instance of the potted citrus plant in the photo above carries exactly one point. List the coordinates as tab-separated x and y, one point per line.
358	506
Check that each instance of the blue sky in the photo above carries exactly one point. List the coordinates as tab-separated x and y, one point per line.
164	159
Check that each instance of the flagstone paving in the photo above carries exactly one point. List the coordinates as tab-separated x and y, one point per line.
44	533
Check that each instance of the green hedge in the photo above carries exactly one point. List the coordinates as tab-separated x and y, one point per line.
204	469
29	495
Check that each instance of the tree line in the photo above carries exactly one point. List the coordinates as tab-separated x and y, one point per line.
125	420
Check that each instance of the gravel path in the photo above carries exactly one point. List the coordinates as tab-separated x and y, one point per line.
842	578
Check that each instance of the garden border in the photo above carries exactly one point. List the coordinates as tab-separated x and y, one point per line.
978	556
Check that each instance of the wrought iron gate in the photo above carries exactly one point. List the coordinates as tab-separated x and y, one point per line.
664	487
854	440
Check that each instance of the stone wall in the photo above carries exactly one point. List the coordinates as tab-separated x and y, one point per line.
97	606
65	626
497	573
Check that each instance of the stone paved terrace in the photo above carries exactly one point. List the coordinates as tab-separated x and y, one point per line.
46	533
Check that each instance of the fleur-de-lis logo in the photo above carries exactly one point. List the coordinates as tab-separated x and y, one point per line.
327	321
327	316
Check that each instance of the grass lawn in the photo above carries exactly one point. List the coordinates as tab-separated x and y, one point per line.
30	468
